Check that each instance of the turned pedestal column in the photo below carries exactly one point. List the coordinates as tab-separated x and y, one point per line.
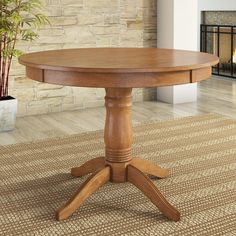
118	133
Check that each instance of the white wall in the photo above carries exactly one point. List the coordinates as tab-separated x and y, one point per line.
213	5
185	24
177	25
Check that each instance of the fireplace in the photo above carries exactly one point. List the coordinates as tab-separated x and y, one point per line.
221	41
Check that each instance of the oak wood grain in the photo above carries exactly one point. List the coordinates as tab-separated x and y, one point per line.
91	185
150	168
118	60
118	132
199	74
35	74
118	67
116	80
143	183
88	167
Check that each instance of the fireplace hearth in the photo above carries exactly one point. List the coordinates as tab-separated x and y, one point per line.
221	41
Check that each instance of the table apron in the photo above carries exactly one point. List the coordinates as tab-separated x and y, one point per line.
118	80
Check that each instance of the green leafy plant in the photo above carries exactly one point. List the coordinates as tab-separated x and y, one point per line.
19	20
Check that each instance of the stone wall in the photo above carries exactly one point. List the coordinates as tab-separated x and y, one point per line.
83	23
219	17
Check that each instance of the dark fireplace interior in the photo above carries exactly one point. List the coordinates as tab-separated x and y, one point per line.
218	36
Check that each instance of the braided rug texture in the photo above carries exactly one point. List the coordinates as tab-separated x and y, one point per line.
200	151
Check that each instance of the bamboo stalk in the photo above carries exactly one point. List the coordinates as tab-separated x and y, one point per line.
4	65
1	60
10	59
1	66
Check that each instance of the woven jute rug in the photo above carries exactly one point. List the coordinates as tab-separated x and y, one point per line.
200	151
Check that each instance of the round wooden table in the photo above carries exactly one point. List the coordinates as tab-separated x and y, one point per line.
118	70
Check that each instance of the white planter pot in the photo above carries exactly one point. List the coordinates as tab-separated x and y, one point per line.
8	109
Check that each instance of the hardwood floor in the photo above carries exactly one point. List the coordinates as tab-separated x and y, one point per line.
216	95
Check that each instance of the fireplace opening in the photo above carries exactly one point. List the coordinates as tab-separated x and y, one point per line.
221	41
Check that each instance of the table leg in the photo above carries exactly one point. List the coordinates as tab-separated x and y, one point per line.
118	165
90	166
87	189
141	181
150	168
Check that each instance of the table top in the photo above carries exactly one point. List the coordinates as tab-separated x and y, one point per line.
117	60
117	67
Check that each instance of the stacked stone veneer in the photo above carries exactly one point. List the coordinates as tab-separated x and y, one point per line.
83	23
219	17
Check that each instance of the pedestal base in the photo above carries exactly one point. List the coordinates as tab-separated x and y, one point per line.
117	165
133	172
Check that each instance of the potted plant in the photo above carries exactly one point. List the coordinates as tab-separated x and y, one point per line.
19	20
